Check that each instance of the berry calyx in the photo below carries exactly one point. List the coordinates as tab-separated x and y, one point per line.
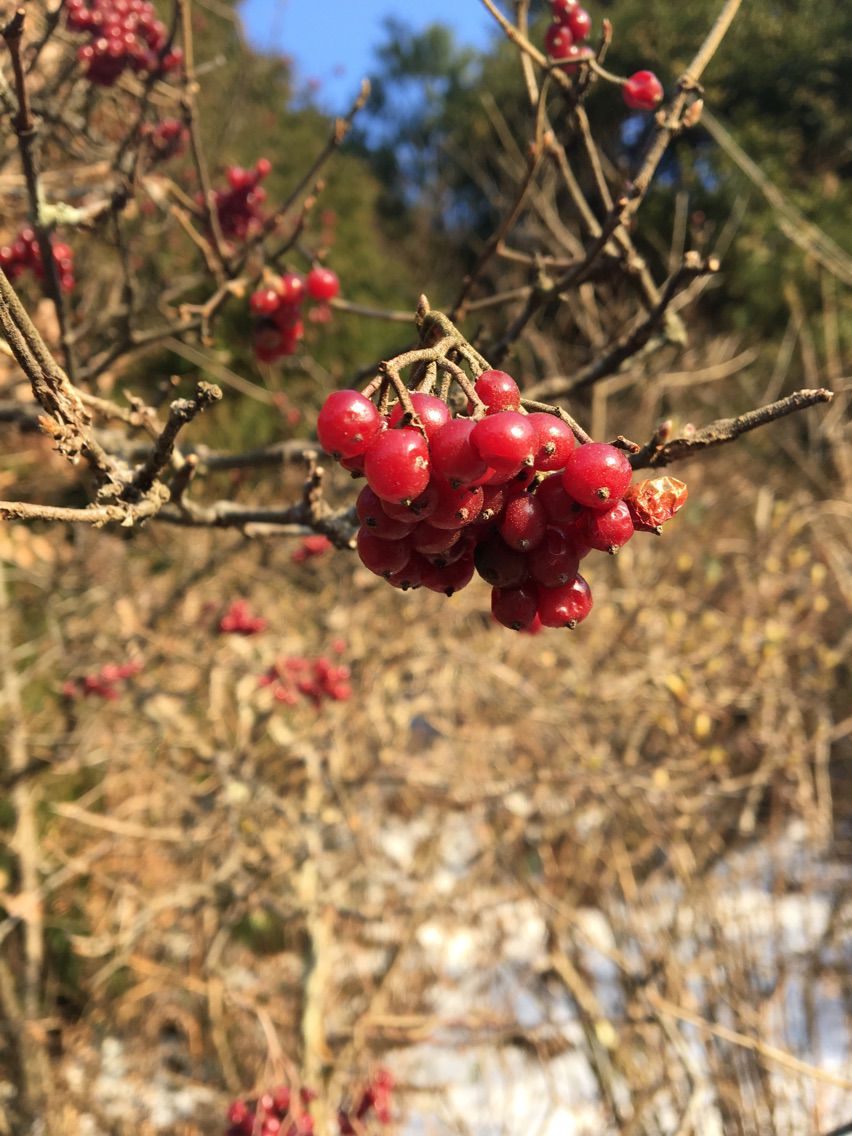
642	91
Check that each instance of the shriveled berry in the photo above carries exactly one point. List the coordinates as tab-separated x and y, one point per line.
642	91
565	606
397	465
597	475
423	505
347	424
562	9
515	608
652	503
554	441
498	391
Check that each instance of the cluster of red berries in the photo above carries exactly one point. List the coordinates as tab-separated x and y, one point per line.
165	139
565	39
239	206
124	34
274	1114
374	1098
278	306
318	680
24	253
509	496
238	620
103	683
310	547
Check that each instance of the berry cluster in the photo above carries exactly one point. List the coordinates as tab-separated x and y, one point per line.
24	253
272	1114
374	1098
239	206
278	306
508	495
166	139
565	39
123	34
317	680
238	620
103	683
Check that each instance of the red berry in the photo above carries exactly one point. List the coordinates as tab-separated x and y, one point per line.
432	541
565	606
449	578
562	9
558	41
554	441
580	23
423	506
597	475
292	288
397	465
384	557
642	91
555	561
515	608
432	412
498	564
322	284
498	391
374	518
505	442
453	455
456	507
523	523
347	424
609	530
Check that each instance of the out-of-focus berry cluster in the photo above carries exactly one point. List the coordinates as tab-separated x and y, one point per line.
24	254
281	1112
123	34
294	677
104	683
278	306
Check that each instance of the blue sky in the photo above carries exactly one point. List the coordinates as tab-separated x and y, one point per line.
332	41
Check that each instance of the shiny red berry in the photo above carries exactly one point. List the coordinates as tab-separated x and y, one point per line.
322	284
642	91
397	465
347	424
554	441
565	606
597	475
498	391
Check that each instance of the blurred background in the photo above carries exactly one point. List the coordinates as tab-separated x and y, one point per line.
571	883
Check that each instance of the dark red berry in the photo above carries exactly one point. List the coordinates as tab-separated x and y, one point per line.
523	523
555	561
642	91
347	424
372	516
562	9
456	507
565	606
397	465
597	475
498	564
515	608
384	557
449	578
